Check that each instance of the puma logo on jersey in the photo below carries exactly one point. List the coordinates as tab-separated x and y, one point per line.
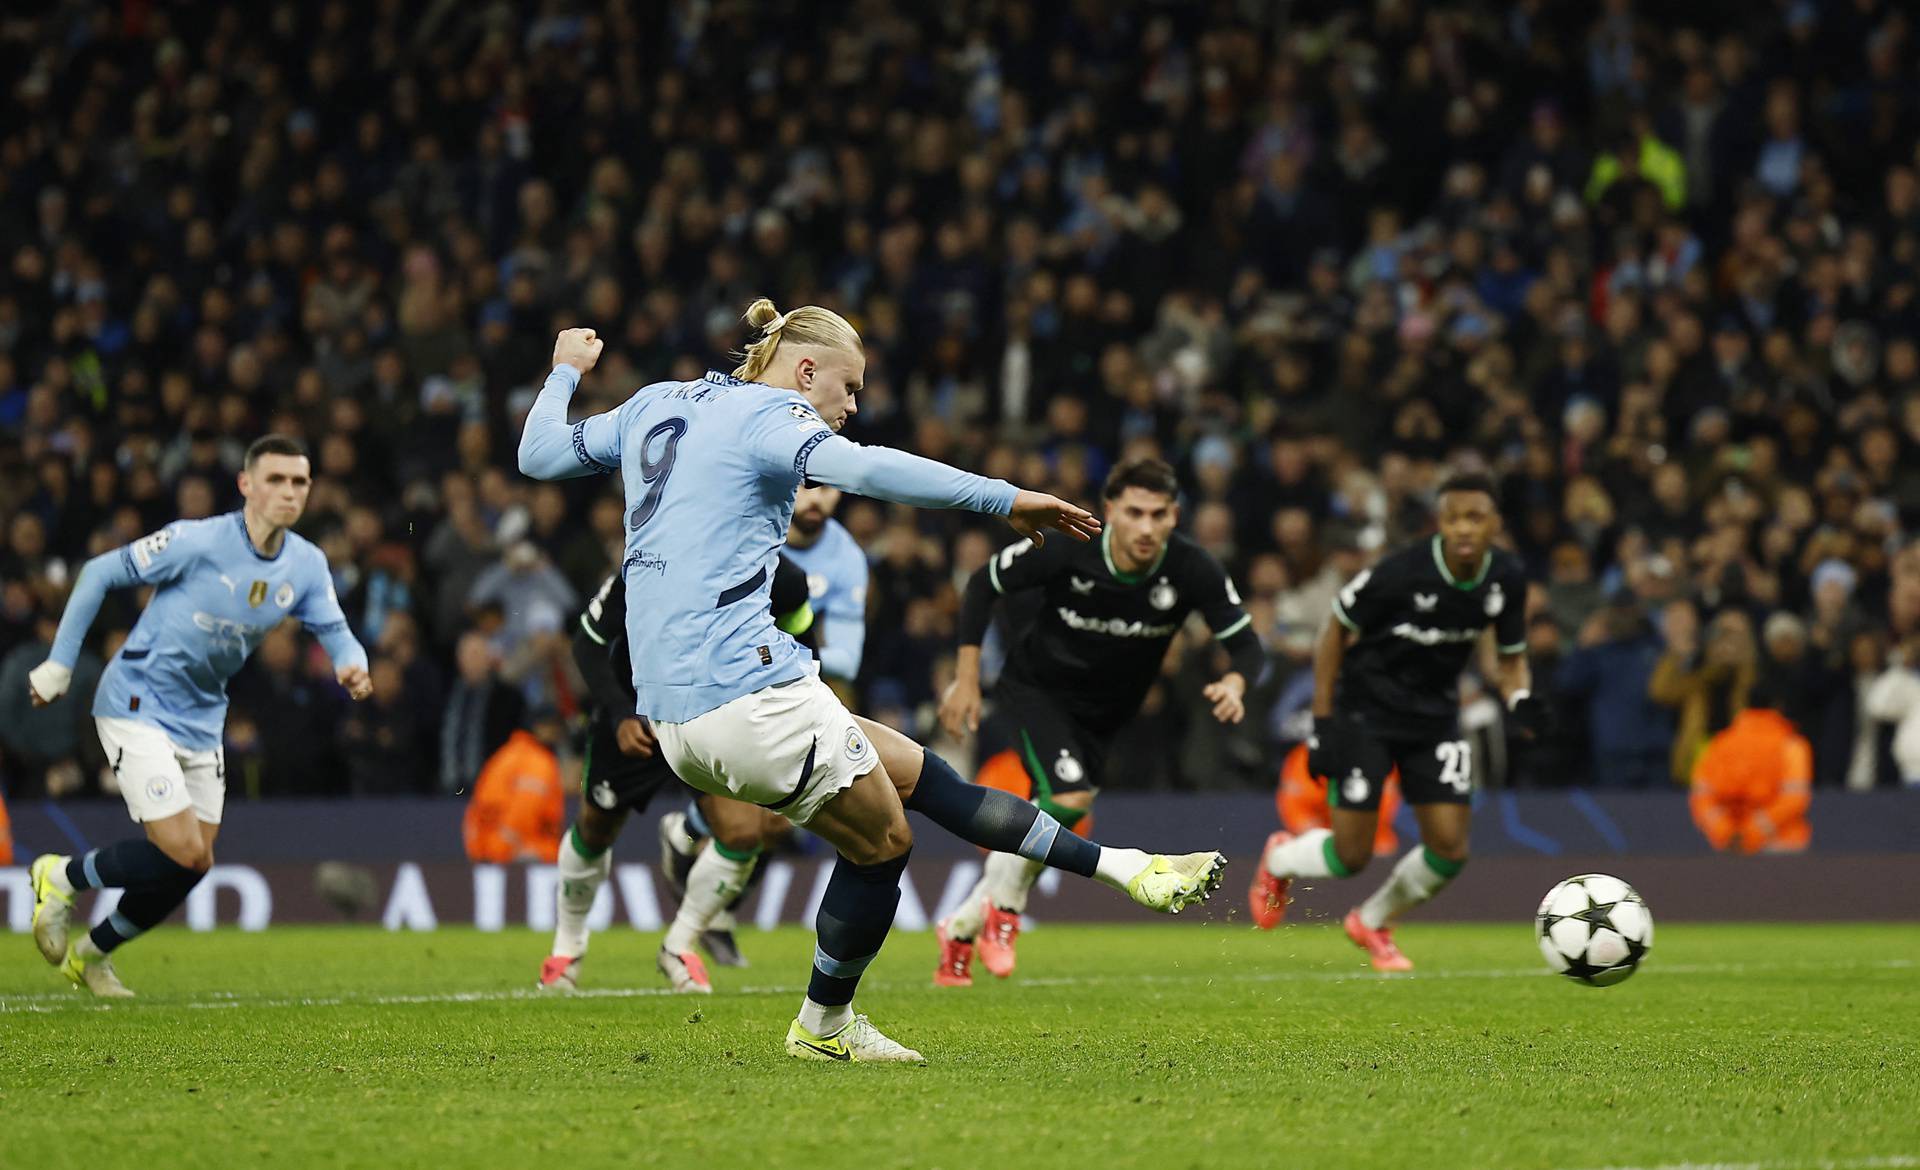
1424	602
228	582
1080	585
1117	627
1427	637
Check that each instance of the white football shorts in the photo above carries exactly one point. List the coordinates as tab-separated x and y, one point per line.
159	778
791	748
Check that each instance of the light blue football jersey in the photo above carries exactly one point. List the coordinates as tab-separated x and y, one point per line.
710	468
215	598
836	568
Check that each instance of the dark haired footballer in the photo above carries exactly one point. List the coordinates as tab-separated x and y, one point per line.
1080	671
1386	693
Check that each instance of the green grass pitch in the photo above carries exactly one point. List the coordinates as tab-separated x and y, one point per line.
1156	1045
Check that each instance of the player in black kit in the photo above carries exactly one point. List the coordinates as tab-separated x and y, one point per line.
1109	608
1386	676
624	770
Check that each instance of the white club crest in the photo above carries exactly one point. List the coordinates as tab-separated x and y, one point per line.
1496	600
1163	595
1353	789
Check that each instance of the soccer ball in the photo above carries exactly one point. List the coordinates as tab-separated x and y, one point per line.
1594	929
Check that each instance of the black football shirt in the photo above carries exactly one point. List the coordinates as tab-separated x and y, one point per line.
1099	636
1417	625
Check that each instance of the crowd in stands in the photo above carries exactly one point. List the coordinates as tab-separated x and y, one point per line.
1653	265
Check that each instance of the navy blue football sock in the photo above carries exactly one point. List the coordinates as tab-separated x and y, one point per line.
142	909
128	864
856	912
997	820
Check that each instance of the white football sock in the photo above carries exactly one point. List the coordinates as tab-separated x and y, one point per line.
1304	856
711	884
1412	882
824	1021
1117	867
1008	877
965	921
580	881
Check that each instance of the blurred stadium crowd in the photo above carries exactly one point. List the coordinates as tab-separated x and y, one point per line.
1653	265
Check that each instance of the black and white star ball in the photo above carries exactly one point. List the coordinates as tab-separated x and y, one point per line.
1594	928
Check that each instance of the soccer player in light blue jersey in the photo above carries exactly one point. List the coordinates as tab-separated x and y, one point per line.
836	568
710	468
219	585
710	851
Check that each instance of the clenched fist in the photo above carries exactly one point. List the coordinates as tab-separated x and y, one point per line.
358	682
579	348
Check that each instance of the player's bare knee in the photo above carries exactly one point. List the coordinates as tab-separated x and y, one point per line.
1353	858
891	841
740	838
597	829
193	855
1455	852
899	840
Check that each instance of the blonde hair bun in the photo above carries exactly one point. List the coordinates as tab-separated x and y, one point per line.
807	325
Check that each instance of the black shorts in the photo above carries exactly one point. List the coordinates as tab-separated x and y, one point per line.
1061	753
1432	770
612	780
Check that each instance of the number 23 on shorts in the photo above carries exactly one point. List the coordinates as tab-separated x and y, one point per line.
1456	764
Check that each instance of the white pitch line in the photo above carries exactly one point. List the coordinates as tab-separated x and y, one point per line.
1897	1162
50	1002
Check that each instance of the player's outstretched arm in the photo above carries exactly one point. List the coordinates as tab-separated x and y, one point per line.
886	474
110	570
549	448
1035	512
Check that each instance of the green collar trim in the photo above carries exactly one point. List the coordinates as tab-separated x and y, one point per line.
1440	562
1106	553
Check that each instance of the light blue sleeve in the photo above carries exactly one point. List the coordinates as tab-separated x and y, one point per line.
154	559
843	624
842	641
885	474
319	610
550	449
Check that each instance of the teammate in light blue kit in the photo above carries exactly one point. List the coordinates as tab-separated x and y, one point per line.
710	468
220	585
836	568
